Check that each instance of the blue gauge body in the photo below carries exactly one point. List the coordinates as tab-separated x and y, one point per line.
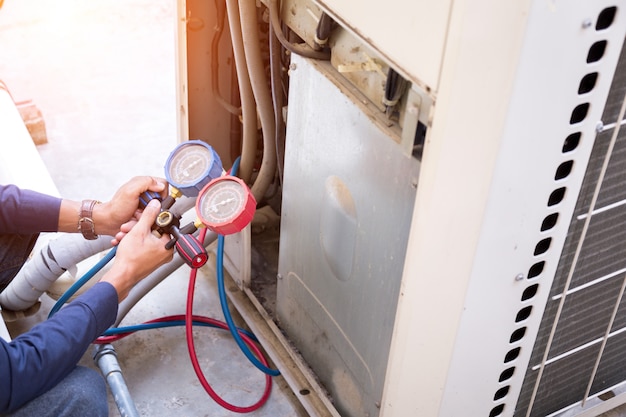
192	165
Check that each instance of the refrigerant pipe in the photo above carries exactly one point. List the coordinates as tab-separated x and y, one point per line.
106	359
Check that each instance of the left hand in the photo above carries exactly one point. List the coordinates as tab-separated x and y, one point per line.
123	208
139	254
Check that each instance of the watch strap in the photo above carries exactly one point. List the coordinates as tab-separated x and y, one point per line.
86	224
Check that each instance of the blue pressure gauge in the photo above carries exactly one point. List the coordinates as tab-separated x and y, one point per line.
192	165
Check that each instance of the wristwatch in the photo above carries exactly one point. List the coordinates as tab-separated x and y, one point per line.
86	224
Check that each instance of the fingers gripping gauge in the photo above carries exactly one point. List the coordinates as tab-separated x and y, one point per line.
187	245
225	205
191	165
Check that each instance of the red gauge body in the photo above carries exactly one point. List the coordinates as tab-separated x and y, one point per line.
225	205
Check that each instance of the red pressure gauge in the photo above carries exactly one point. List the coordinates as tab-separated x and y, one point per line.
225	205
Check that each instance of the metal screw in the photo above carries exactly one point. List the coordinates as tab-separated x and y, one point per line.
413	109
599	127
519	277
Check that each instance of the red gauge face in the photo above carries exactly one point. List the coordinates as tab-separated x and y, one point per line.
225	205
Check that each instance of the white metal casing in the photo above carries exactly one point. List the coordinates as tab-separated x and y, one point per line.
508	88
348	195
404	32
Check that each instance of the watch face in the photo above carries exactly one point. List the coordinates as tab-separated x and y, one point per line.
189	164
222	201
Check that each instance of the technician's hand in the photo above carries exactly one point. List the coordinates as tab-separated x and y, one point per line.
139	253
123	207
110	216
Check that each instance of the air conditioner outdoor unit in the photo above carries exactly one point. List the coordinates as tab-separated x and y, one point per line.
509	299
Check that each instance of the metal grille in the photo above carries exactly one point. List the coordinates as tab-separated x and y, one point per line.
586	311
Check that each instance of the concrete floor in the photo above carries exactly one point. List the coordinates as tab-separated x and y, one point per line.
103	75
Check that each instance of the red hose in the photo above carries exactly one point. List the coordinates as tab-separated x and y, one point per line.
189	318
194	358
196	365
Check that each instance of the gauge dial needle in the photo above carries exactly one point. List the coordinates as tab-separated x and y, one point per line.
186	171
214	207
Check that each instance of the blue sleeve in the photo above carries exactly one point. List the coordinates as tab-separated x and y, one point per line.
27	212
35	361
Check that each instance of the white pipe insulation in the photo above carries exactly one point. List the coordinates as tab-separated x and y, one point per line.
256	99
43	269
262	95
248	106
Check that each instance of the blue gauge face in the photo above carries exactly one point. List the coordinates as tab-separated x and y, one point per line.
191	165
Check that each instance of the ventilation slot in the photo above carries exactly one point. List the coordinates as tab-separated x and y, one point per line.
556	197
571	142
588	83
606	17
507	374
497	411
596	52
579	113
549	222
517	335
530	292
536	269
512	354
543	246
523	314
564	170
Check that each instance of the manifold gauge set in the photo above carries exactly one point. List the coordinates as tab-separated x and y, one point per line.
224	203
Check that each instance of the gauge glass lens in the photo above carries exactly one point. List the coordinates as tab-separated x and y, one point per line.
222	202
189	165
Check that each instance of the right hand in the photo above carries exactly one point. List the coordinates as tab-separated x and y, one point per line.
139	253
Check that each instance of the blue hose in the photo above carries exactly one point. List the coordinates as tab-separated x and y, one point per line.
224	301
228	318
148	326
82	281
126	329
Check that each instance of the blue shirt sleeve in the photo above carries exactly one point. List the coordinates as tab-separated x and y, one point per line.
37	360
27	211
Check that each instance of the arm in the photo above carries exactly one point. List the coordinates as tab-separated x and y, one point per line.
37	360
109	216
26	211
29	212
